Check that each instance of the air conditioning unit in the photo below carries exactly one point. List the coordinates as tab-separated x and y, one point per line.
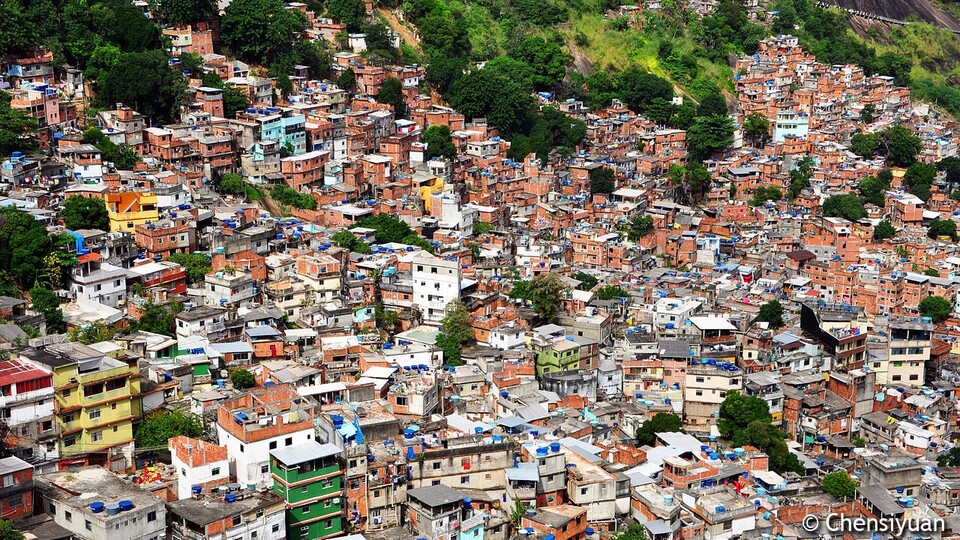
336	500
377	521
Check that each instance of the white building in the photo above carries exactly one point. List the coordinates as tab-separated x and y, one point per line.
507	336
99	282
222	288
67	497
436	283
198	463
27	401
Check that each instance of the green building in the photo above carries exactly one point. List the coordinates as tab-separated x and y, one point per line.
560	355
309	477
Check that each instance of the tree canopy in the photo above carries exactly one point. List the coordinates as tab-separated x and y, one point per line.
159	427
144	81
883	231
439	144
455	331
156	318
937	308
602	180
839	485
85	213
17	128
260	31
197	265
709	135
845	206
546	292
771	313
660	423
391	93
242	379
350	12
179	12
942	227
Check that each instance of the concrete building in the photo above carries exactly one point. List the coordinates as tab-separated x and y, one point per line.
465	464
435	512
229	288
99	282
237	515
199	464
310	478
908	350
95	504
26	399
706	386
17	488
260	421
97	398
436	283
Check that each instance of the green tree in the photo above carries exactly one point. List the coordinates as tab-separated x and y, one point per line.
951	166
873	190
482	227
158	319
638	88
439	144
757	128
388	228
161	426
950	458
520	291
18	129
919	178
350	12
609	292
660	423
234	101
942	227
487	93
737	412
92	333
546	291
47	303
713	105
638	227
391	93
346	239
844	206
387	319
455	331
633	531
232	184
444	71
601	180
179	12
85	213
901	146
868	113
414	239
865	144
146	82
7	532
347	80
771	313
291	197
883	231
587	282
936	307
931	272
24	244
708	136
261	31
242	379
548	62
123	157
800	176
839	485
197	265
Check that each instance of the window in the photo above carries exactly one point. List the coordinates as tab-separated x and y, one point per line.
273	445
583	491
260	513
236	520
264	468
87	525
67	514
354	484
66	392
95	414
376	493
898	377
275	528
15	500
96	436
215	471
402	401
241	448
464	479
328	524
151	516
700	379
699	392
70	441
8	480
436	465
304	489
288	441
326	483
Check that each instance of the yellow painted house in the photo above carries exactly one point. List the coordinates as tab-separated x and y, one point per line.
97	399
131	208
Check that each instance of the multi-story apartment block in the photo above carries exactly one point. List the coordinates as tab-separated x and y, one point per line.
26	405
908	349
310	478
129	209
436	283
96	400
260	421
706	386
99	282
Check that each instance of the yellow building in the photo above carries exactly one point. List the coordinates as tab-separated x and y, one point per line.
96	399
131	208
